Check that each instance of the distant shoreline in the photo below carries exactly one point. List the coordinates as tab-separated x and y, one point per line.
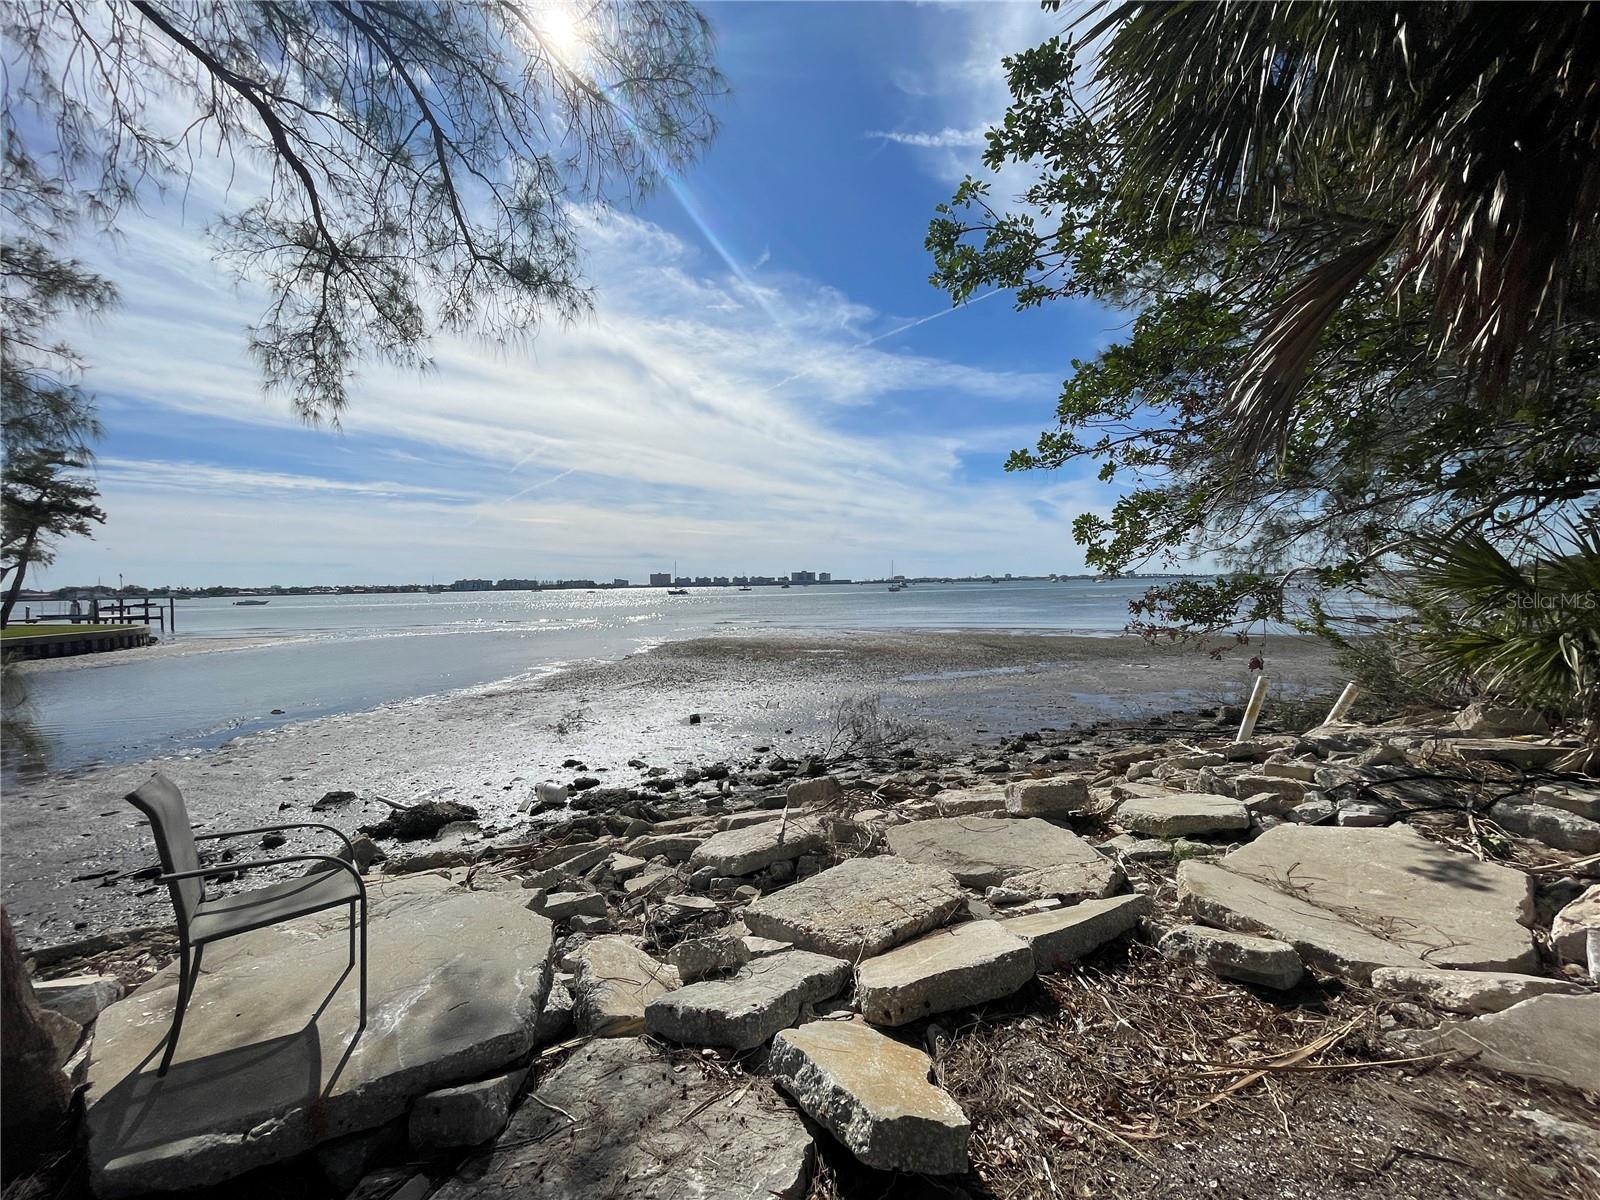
679	704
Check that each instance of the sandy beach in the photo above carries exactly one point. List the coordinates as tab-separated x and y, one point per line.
488	746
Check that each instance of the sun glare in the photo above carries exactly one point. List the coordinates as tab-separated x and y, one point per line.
561	31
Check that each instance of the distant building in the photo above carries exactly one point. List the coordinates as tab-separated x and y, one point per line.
516	585
472	585
619	583
802	576
824	576
660	579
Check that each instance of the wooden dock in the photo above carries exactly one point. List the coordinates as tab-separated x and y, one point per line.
80	639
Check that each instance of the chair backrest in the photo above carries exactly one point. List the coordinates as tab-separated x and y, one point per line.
162	802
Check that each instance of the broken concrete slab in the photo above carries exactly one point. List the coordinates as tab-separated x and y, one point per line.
858	908
674	847
620	1120
270	1061
563	906
1323	939
1555	827
1575	924
814	793
1508	750
699	957
79	998
1060	796
1577	799
1551	1038
1471	992
744	1011
1065	935
747	850
953	968
613	981
1180	814
1487	719
958	802
467	1115
1441	905
872	1093
1028	855
1266	962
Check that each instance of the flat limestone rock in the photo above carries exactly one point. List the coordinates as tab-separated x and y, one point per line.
1028	855
1242	956
613	982
873	1094
953	968
858	908
1442	906
468	1115
745	851
79	998
1181	814
616	1120
456	984
1065	935
1323	939
1553	826
1058	797
1551	1038
1575	924
1471	992
957	802
745	1010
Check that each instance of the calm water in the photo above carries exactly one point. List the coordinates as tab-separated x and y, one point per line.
336	654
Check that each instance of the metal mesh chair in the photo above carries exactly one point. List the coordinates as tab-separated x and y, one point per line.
203	919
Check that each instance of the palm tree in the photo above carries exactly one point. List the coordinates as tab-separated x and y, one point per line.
1526	631
1449	146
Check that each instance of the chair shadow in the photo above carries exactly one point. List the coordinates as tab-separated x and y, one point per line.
281	1074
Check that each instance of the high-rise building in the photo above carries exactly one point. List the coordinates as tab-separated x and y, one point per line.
660	579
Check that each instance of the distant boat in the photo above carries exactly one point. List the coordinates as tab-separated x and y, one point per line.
249	603
677	591
744	589
783	585
897	587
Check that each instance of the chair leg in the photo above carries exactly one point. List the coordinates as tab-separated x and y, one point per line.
185	983
363	1024
352	934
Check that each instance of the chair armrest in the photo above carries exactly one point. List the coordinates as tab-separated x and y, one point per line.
227	833
232	867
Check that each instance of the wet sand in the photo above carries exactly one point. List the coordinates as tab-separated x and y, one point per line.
489	746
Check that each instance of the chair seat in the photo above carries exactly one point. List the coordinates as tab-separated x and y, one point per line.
223	916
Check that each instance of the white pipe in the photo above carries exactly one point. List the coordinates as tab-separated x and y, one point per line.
1342	704
1252	710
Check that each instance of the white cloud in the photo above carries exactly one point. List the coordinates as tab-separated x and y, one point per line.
941	140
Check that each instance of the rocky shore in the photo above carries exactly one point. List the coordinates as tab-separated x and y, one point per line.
72	846
1113	961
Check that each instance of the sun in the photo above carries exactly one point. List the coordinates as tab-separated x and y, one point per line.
561	31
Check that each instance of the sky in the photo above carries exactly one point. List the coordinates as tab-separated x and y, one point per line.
768	382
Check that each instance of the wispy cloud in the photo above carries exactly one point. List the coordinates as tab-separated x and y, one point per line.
943	139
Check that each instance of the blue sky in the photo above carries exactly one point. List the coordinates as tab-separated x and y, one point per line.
768	381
